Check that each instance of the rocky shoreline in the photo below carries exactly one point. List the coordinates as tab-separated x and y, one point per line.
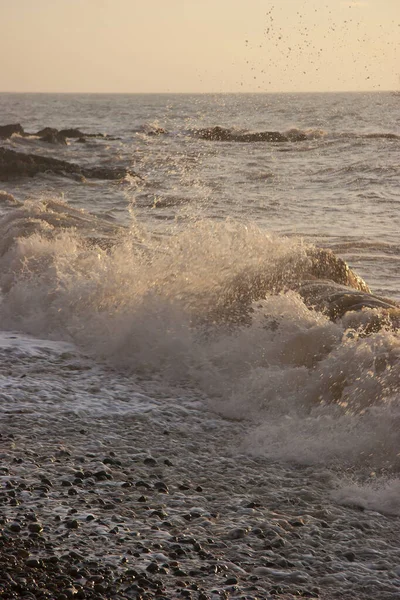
122	507
14	165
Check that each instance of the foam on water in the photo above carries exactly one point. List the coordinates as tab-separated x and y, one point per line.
313	391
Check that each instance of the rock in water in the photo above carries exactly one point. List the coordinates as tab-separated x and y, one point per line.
325	282
17	164
7	131
51	136
221	134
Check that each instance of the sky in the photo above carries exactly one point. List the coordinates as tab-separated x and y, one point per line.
142	46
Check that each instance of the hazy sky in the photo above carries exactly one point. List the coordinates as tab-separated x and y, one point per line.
199	45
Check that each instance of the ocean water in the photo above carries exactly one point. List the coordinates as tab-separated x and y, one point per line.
124	276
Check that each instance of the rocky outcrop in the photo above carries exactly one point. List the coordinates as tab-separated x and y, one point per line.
6	131
325	282
50	135
17	164
221	134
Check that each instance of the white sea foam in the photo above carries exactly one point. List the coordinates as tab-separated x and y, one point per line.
318	391
381	495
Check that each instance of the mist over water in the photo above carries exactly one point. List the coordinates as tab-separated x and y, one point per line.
140	274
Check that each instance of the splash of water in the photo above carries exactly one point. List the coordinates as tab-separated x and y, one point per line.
162	305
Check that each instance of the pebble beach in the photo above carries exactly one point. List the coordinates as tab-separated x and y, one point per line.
153	499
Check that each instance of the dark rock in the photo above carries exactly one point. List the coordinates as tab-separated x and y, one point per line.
35	527
221	134
112	461
51	136
161	487
6	131
72	133
150	462
73	524
17	164
184	487
33	563
152	568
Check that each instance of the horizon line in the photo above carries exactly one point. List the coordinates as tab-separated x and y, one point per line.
202	93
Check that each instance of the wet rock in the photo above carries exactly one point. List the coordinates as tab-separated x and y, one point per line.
7	131
161	487
72	133
71	524
221	134
35	527
17	164
33	563
237	534
51	136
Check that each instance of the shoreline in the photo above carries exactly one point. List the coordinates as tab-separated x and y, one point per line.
126	506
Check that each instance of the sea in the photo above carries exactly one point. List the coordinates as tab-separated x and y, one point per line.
124	275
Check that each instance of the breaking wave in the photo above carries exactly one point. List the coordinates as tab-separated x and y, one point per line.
162	306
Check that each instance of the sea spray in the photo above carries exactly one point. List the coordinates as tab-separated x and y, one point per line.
154	306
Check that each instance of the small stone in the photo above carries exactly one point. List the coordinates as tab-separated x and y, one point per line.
152	568
150	462
237	534
350	556
141	483
14	527
112	461
73	524
33	563
35	527
161	487
102	475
